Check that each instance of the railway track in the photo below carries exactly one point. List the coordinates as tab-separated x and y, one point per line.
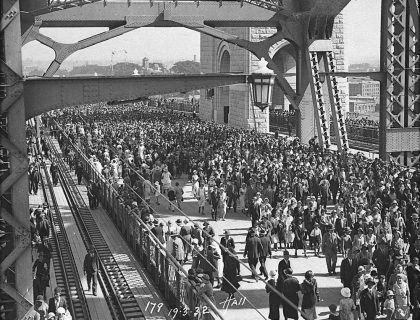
65	268
120	298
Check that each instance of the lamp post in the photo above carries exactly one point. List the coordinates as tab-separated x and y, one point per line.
261	83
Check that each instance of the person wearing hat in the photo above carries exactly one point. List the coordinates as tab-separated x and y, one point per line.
226	242
185	233
231	273
397	243
253	249
329	249
57	301
265	252
42	275
369	301
273	298
309	288
222	203
347	305
61	314
381	258
254	210
402	298
51	316
214	201
348	269
389	305
90	269
316	237
300	235
346	242
283	265
208	234
290	290
41	307
158	231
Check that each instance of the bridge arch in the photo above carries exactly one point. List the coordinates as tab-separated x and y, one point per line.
223	93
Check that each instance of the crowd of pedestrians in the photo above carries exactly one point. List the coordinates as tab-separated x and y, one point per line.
300	198
40	224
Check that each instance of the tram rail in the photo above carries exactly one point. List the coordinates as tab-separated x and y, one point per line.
65	268
120	299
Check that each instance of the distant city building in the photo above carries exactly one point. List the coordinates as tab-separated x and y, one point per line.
360	104
145	63
365	88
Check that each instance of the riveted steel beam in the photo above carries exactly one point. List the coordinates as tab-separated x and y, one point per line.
23	236
114	14
21	300
64	50
8	17
13	139
20	169
46	94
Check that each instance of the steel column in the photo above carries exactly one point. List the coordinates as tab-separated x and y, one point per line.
16	273
400	100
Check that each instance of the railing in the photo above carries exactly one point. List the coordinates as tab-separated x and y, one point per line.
168	275
355	133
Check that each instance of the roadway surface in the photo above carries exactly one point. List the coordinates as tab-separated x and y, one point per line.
256	296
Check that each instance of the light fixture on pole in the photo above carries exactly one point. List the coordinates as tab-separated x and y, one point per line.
262	82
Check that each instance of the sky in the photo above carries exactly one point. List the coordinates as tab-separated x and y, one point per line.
361	18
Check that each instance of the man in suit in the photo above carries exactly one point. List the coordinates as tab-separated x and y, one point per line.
381	258
57	302
283	265
253	249
226	243
255	211
265	252
329	248
157	230
348	270
369	302
90	268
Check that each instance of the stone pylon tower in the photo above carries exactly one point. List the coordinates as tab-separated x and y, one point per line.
232	105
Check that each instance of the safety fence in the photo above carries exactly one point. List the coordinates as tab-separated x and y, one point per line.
168	275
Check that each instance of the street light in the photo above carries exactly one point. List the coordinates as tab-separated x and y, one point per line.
262	82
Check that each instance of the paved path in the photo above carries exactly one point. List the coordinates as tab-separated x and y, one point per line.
255	293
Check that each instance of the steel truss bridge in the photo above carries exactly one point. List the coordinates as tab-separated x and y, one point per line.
307	24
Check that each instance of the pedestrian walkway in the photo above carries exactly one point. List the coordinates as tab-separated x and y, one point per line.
141	286
238	224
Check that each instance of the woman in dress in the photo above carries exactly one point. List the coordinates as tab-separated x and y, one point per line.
402	299
310	292
347	305
242	192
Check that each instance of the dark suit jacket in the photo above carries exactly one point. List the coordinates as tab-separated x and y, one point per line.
266	246
283	265
230	243
369	303
52	307
90	264
253	247
158	232
348	271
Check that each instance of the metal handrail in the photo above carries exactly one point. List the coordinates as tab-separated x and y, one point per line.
209	303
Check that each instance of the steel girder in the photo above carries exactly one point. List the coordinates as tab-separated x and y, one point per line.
115	13
400	91
15	267
46	94
64	50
